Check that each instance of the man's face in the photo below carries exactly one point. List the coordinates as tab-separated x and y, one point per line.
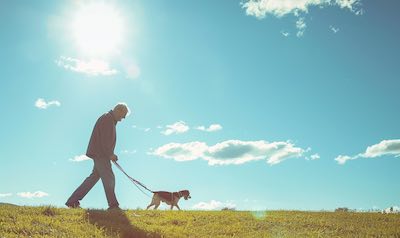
120	114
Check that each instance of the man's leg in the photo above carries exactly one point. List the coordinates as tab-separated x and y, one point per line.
83	189
103	168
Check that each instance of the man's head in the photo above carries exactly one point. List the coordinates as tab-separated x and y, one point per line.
120	111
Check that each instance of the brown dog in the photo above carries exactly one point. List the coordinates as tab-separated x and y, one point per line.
169	198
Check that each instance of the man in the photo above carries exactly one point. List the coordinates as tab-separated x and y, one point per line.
101	150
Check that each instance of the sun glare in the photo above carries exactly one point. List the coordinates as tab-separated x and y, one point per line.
98	29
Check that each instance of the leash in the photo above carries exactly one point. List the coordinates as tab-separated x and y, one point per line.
134	181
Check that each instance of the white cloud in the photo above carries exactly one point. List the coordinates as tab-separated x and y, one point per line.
37	194
230	152
79	158
131	152
313	157
2	195
301	27
385	147
278	8
176	128
213	205
141	128
392	209
42	104
285	33
93	67
181	152
334	29
341	159
211	128
352	5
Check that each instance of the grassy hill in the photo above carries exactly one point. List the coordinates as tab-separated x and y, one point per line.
19	221
6	204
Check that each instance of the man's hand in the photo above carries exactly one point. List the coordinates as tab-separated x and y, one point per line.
114	157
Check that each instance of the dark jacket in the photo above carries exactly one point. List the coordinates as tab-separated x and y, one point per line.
103	139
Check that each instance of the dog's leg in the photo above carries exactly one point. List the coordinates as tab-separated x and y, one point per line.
178	207
157	204
151	204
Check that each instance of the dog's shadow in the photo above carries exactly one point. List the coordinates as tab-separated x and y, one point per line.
116	224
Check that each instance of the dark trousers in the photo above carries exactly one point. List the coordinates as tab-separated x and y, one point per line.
101	170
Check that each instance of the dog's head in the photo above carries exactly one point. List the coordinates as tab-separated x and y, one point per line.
185	194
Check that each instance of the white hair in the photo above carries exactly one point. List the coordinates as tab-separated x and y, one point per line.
121	105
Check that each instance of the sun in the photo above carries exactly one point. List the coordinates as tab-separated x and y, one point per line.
98	29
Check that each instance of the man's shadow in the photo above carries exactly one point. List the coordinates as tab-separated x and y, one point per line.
116	224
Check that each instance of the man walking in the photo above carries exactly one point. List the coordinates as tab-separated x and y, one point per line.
101	150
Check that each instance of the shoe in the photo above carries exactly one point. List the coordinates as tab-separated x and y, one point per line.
73	205
114	208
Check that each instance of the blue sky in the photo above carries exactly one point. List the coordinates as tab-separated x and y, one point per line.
248	104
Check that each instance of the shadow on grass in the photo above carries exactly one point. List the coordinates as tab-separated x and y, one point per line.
116	224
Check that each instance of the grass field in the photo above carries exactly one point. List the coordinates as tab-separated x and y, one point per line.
18	221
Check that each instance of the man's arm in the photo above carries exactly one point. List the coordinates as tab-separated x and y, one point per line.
107	139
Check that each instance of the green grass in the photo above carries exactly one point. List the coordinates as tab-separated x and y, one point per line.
60	222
